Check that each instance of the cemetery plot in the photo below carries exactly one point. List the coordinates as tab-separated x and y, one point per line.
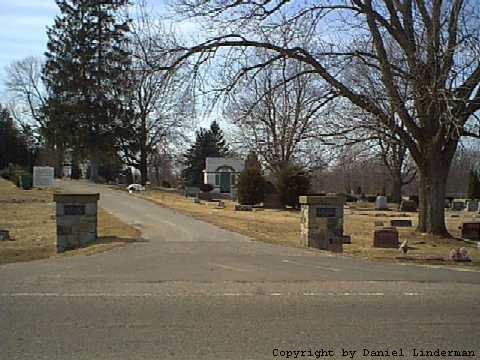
360	222
29	217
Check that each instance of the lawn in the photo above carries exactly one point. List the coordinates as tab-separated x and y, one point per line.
283	227
29	215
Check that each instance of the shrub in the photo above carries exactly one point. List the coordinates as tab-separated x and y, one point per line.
25	181
206	187
270	188
166	184
251	186
13	172
292	183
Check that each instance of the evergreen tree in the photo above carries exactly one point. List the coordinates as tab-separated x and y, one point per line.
86	59
473	191
292	183
208	143
251	184
17	145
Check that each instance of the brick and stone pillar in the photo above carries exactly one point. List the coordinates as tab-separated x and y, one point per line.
322	222
76	220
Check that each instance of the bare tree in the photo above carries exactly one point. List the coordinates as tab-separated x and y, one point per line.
401	169
436	54
277	118
161	102
24	82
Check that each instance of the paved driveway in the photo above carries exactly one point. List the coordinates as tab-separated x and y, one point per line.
190	290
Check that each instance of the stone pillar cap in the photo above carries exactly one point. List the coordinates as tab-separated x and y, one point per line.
76	197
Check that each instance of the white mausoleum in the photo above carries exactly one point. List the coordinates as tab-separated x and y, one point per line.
223	174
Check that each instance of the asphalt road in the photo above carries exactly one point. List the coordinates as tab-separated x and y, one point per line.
190	290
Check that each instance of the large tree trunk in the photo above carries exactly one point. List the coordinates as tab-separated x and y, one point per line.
94	164
75	172
397	185
431	191
143	168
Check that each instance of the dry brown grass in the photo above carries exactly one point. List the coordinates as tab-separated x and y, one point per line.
29	215
283	227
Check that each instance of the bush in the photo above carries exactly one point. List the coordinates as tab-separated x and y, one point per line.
25	181
206	187
166	184
292	183
13	173
251	186
270	188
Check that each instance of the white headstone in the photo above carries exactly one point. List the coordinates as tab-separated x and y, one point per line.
381	203
43	176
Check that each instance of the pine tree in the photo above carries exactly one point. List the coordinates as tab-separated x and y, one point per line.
208	143
292	182
86	59
252	185
16	146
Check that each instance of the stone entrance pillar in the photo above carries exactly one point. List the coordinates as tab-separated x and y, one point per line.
322	222
76	220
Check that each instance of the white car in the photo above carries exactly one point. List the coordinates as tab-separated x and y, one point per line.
135	187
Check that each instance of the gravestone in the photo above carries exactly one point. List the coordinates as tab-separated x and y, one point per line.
205	196
273	201
76	220
43	176
239	207
408	206
471	230
191	191
385	238
457	205
472	205
4	235
322	222
381	203
401	223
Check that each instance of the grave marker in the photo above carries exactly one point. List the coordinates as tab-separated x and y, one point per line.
408	206
471	230
472	205
457	205
401	223
385	238
381	203
43	176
